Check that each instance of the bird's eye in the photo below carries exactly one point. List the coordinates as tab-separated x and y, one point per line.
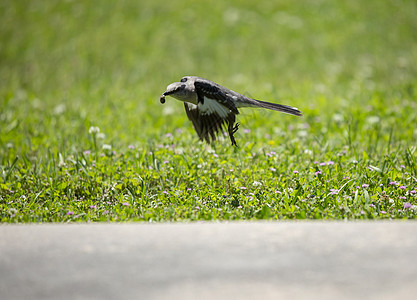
179	88
184	79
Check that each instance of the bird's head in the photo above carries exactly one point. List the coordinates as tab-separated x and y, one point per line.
183	91
176	90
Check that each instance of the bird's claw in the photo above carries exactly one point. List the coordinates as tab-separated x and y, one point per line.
236	127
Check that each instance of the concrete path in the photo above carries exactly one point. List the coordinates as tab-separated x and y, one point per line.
273	260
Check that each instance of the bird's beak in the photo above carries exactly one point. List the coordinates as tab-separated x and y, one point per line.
162	98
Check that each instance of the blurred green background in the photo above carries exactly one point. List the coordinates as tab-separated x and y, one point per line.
66	65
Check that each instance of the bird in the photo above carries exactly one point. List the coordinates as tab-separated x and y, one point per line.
212	107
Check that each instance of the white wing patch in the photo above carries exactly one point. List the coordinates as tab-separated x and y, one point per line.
191	106
211	106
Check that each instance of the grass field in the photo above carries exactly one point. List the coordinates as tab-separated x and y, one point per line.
83	136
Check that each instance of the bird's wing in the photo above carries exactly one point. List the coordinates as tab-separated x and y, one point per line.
209	118
207	90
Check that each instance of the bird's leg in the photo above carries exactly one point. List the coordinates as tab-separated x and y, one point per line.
232	129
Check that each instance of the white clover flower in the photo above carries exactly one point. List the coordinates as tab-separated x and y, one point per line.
61	161
93	130
256	183
59	109
308	152
338	118
179	150
373	120
302	133
106	147
101	136
168	110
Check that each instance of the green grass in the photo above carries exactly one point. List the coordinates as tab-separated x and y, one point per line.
68	66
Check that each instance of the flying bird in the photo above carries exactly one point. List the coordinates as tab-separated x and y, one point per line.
212	107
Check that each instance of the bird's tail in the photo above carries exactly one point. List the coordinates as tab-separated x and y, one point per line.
279	107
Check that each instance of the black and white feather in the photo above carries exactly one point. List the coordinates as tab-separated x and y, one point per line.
212	108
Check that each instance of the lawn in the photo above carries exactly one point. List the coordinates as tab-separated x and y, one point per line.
83	136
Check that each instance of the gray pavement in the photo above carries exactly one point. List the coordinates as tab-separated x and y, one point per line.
242	260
